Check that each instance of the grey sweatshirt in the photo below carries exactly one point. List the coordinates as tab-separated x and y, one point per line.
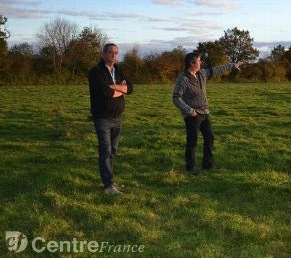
190	93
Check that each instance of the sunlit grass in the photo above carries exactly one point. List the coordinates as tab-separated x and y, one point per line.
50	184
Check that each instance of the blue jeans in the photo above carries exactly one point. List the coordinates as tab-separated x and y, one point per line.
108	134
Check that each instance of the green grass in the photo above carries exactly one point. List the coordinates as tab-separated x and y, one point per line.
50	185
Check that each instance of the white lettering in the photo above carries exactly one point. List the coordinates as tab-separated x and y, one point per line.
62	244
109	248
52	246
117	248
40	245
75	242
103	247
141	248
134	248
126	249
33	244
93	246
82	243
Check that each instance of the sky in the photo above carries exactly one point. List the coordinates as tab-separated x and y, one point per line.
155	25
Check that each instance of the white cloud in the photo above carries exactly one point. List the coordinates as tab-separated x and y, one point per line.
19	9
166	2
100	16
23	13
196	27
217	4
23	2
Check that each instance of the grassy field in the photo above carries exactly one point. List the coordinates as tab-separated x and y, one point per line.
50	185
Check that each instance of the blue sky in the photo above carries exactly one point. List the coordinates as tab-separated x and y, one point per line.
156	25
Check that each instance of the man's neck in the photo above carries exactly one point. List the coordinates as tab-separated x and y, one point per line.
110	66
193	72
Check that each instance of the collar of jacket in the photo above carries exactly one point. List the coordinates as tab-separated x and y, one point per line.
102	64
189	75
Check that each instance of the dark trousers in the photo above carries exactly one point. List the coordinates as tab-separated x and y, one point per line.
193	125
108	134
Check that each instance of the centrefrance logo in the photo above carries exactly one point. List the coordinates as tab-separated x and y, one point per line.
17	242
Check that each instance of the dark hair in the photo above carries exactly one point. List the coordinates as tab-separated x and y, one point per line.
190	58
108	45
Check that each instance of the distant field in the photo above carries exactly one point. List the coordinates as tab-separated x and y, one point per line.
50	186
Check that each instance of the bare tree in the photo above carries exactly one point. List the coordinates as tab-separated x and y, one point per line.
56	36
4	34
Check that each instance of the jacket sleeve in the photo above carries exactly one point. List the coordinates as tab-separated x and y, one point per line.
98	84
216	70
177	97
128	82
129	87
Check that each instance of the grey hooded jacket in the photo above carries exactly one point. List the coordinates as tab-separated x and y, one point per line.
190	92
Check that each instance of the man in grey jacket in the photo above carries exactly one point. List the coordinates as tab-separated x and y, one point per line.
190	98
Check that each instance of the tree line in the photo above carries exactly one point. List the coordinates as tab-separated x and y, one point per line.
64	55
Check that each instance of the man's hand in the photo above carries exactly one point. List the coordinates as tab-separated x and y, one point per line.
193	112
119	87
237	65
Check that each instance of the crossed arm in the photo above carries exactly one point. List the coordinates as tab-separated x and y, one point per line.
119	89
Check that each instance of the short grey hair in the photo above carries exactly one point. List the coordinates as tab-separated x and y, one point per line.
108	45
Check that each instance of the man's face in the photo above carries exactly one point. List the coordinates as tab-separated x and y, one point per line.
111	55
197	64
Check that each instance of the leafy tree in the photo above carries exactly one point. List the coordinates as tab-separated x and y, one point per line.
177	57
287	58
23	49
277	53
151	69
93	40
132	64
43	59
21	56
238	45
287	55
251	73
164	67
84	51
212	53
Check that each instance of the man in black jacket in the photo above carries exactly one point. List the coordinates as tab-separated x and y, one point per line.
107	88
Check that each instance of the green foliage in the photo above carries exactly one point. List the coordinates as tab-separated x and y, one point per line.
21	57
238	45
153	68
212	54
133	65
50	186
277	53
65	57
263	71
85	51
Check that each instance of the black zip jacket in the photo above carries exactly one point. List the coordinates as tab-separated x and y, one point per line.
103	105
